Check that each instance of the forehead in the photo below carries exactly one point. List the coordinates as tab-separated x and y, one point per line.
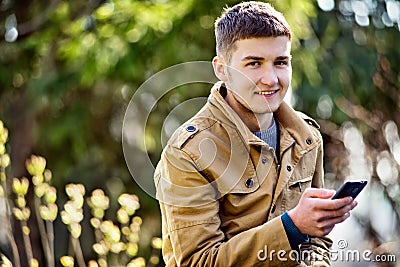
266	47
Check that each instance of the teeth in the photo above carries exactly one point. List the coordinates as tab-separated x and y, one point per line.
266	93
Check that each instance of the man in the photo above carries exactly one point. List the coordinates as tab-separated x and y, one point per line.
238	183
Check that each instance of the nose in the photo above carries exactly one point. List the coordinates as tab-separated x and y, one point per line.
269	76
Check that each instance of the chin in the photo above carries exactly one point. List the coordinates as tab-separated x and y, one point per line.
264	111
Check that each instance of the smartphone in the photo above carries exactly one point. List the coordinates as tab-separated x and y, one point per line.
350	188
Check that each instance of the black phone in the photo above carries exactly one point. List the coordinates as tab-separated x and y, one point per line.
350	188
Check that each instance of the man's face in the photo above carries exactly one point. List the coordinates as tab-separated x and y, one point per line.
259	73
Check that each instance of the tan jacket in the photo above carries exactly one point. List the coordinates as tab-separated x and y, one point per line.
222	190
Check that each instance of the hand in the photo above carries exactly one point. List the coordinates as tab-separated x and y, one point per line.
316	214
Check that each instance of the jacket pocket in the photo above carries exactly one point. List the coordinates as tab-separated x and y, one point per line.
246	185
243	208
294	190
300	184
241	196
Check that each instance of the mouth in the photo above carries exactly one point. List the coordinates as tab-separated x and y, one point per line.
267	93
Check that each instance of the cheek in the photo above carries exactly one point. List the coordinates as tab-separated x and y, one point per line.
285	77
240	81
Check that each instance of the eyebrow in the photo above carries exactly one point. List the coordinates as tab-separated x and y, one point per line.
284	57
261	58
252	58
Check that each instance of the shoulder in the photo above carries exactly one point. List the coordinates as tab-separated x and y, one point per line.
192	129
310	121
312	124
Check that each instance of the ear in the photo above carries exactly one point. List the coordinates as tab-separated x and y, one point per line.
220	69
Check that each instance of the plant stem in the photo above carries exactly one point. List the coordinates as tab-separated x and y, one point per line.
13	244
99	236
27	242
114	259
78	251
50	234
43	233
11	239
124	257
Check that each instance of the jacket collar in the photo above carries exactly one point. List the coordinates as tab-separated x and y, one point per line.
224	113
288	118
294	123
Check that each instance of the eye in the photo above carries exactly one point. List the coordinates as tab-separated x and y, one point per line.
282	63
253	64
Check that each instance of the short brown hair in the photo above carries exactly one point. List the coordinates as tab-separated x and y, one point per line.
248	20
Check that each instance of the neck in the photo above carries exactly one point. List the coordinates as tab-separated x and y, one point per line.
256	122
265	121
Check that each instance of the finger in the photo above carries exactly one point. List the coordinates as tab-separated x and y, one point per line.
318	193
327	230
331	222
335	204
329	204
329	214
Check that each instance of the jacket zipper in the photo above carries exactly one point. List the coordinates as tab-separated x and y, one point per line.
278	169
278	161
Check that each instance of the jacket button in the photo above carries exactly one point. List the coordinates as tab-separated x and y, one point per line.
264	160
308	141
289	168
249	183
190	128
273	208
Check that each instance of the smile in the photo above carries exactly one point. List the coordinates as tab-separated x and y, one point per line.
267	92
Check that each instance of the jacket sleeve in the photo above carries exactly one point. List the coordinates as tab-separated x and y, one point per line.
192	234
317	251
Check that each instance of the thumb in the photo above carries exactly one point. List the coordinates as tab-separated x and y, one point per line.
319	193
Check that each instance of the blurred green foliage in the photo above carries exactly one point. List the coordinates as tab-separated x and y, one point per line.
69	68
